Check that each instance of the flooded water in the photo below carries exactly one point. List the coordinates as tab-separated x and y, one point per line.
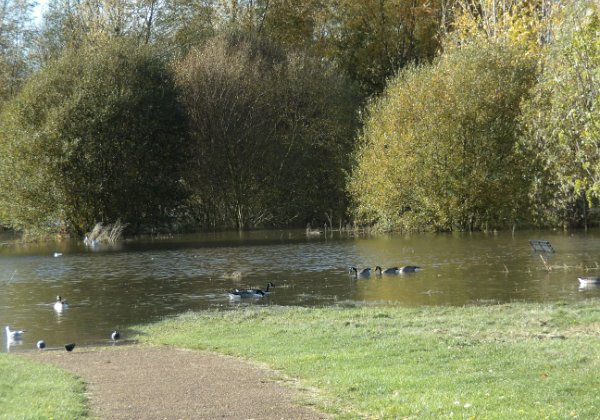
116	287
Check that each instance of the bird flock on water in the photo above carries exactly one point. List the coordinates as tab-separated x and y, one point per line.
61	304
366	272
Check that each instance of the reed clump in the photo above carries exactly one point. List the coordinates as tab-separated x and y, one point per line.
110	233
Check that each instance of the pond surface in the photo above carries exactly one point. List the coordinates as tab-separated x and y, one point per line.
139	281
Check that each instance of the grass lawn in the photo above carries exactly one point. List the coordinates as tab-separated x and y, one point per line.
501	361
30	390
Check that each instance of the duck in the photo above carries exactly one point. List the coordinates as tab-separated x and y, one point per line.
114	336
379	271
409	269
69	347
365	272
13	335
57	254
263	292
41	344
395	270
60	304
250	293
588	280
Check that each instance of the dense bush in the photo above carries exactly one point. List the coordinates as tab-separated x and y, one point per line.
272	132
438	150
95	136
562	121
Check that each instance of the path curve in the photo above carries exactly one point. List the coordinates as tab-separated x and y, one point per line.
142	382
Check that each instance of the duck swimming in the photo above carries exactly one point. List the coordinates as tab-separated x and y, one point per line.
396	270
263	292
250	293
60	304
364	273
409	269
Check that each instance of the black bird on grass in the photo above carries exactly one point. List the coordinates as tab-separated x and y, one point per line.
115	335
70	346
41	344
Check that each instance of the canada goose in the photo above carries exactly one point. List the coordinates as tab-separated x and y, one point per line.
263	292
69	347
250	293
13	335
396	270
365	272
41	344
115	335
410	269
379	271
60	304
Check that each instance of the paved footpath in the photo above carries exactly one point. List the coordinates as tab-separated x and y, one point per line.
140	382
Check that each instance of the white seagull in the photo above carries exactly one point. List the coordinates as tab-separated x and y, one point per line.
13	335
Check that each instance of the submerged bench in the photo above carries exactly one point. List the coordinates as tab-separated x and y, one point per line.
541	246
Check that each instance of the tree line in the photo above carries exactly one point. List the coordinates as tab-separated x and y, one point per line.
397	114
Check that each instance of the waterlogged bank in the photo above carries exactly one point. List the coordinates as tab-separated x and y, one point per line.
500	361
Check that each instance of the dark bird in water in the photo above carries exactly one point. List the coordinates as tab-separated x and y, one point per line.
395	270
115	335
70	346
364	273
262	292
250	293
41	344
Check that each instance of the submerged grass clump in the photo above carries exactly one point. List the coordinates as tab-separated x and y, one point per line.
30	390
106	233
503	361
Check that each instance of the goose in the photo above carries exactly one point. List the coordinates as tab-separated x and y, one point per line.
379	271
365	272
250	293
13	335
60	304
396	270
263	292
115	335
41	344
409	269
69	347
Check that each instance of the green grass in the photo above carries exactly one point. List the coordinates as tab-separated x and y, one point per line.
30	390
504	361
